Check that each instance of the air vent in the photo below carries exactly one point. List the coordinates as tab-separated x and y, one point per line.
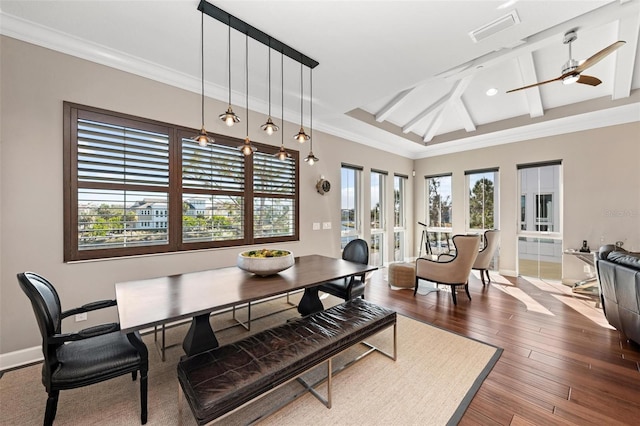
493	27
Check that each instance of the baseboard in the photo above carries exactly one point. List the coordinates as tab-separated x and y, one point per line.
19	358
507	273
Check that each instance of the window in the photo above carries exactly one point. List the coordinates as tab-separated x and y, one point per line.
350	212
399	220
540	238
376	252
138	186
439	209
482	203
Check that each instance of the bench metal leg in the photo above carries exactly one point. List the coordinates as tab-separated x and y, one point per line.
311	388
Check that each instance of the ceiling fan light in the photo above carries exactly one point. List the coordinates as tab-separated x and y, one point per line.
269	127
229	117
301	136
202	138
571	79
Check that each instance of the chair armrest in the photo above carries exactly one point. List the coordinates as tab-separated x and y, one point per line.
93	306
86	333
445	257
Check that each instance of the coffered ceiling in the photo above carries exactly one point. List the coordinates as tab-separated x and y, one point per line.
402	76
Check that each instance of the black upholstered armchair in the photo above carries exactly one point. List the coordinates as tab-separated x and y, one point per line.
92	355
349	288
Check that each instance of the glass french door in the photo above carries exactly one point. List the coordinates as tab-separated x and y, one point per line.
540	227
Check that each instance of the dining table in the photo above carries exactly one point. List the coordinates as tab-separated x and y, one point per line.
151	302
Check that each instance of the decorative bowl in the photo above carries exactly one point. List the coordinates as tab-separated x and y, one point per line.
265	262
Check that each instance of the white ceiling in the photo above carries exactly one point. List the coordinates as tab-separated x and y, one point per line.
403	76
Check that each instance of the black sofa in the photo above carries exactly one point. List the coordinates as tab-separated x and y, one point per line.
619	277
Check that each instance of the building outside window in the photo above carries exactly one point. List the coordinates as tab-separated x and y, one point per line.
350	205
377	212
399	218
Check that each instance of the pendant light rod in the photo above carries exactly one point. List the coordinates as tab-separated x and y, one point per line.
264	38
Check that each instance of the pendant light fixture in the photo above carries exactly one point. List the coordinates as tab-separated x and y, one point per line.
246	147
202	138
282	153
311	159
269	126
301	136
229	117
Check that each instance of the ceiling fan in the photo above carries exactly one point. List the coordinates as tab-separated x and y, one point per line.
572	69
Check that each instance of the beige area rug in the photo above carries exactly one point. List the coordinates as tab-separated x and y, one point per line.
431	383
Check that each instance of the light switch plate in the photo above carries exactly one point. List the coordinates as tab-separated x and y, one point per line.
316	226
81	317
326	225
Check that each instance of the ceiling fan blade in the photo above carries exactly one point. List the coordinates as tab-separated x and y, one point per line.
599	56
587	79
536	84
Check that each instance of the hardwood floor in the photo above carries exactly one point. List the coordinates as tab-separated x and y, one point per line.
561	363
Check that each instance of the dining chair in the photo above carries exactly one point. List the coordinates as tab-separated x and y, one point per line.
351	287
86	357
451	270
491	240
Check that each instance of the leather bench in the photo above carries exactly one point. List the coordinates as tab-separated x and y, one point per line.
218	381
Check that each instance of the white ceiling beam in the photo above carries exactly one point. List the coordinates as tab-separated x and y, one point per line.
453	96
463	113
392	105
528	72
625	57
597	17
434	126
436	106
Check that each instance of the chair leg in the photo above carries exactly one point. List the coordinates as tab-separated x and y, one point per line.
134	375
143	397
415	290
482	276
52	407
466	290
453	294
488	277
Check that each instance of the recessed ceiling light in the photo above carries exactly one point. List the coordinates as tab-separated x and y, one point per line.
492	92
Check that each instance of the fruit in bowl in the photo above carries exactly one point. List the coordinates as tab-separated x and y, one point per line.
265	262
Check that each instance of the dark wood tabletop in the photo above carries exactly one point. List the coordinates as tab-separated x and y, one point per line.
154	301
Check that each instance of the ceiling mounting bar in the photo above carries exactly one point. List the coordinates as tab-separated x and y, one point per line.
239	25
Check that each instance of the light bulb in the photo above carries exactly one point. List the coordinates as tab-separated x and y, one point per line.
202	140
311	161
229	120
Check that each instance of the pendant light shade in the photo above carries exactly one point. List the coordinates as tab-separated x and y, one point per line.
269	126
229	117
282	153
246	147
202	138
311	159
301	136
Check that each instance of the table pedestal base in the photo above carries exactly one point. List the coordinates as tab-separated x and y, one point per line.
310	302
200	337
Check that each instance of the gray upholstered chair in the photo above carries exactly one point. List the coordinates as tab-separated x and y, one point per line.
450	270
491	240
89	356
